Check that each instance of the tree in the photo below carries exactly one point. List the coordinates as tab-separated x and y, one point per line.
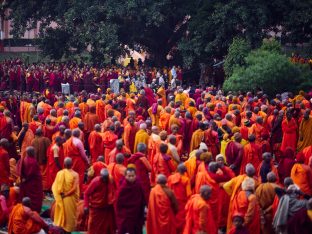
237	52
269	71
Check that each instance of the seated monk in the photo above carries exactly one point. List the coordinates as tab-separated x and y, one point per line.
8	199
23	220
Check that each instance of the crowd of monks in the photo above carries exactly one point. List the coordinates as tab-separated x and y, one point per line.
175	161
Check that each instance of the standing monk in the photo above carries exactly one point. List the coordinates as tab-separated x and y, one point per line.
120	148
74	149
155	111
31	179
265	194
90	119
129	134
247	204
252	154
25	138
141	136
66	193
109	141
199	217
117	169
197	137
181	186
143	167
95	143
305	131
41	145
289	127
99	198
4	162
130	211
162	208
55	155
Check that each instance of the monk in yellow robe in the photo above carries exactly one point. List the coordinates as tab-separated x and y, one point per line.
141	136
66	193
197	137
155	111
73	123
305	132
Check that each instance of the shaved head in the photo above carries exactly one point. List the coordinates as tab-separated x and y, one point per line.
68	162
161	179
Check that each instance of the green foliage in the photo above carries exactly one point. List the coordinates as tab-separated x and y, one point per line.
238	50
271	46
269	71
199	31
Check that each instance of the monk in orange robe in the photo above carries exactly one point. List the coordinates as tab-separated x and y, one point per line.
246	203
164	119
181	186
251	154
4	162
95	143
130	131
233	187
289	127
203	178
154	112
84	108
35	123
179	138
199	217
96	168
301	174
120	148
258	129
162	208
197	137
109	141
100	108
117	169
73	123
99	199
90	119
25	138
24	220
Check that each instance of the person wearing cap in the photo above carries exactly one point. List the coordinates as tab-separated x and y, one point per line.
99	199
246	203
289	204
301	174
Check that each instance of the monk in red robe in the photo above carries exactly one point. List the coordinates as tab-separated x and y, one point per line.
130	211
162	163
31	179
99	200
143	167
162	208
199	217
4	162
8	198
74	149
55	155
181	186
95	143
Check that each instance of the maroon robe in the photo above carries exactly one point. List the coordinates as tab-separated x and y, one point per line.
31	181
130	207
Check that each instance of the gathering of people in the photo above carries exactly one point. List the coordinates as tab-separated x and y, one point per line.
157	155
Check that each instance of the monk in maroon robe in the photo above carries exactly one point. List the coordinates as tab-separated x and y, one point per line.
130	204
31	179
